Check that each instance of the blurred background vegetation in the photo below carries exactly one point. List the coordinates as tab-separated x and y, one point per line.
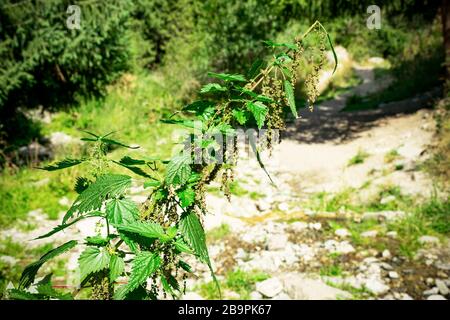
135	61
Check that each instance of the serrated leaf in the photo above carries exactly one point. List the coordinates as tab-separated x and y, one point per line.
118	143
185	266
105	187
228	77
81	184
213	88
134	169
150	230
45	288
254	69
259	111
171	232
240	116
144	265
289	91
128	161
116	267
187	197
17	294
151	184
63	164
181	246
201	108
193	233
31	270
97	241
122	211
179	169
92	260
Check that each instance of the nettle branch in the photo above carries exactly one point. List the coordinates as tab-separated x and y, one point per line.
156	238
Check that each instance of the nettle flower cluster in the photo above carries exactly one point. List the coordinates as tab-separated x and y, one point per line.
156	237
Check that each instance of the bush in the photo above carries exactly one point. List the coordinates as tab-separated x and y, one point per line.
45	63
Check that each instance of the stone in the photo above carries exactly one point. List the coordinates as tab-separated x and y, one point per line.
443	266
393	275
369	234
281	296
61	139
376	60
231	295
436	297
443	289
429	292
65	202
283	207
315	226
270	287
342	233
386	200
428	240
298	226
8	260
263	205
192	296
386	254
383	215
392	234
376	286
138	198
255	295
277	241
299	286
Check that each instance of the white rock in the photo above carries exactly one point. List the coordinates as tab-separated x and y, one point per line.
231	295
392	234
263	205
393	275
386	254
277	241
270	287
255	295
376	60
65	202
443	289
376	286
138	198
387	199
281	296
436	297
429	292
342	233
192	296
315	226
298	226
301	287
283	207
369	234
59	139
8	260
428	240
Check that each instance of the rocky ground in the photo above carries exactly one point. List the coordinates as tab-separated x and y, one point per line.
306	252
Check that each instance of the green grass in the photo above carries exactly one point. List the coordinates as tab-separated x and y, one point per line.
218	233
358	158
238	281
391	156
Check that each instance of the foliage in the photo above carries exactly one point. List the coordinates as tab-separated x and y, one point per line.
45	63
168	224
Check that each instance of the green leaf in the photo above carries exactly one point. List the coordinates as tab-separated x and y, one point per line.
105	187
332	48
272	44
128	161
187	197
144	265
181	246
16	294
254	69
45	288
186	267
240	116
31	270
81	184
171	232
122	211
145	229
252	142
228	77
66	163
178	169
254	95
213	88
116	267
117	143
134	169
289	91
97	241
192	231
152	184
66	225
92	260
259	111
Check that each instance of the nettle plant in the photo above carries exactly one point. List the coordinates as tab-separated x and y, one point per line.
156	237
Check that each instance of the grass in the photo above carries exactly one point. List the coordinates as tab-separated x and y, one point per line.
218	233
391	156
238	281
359	158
